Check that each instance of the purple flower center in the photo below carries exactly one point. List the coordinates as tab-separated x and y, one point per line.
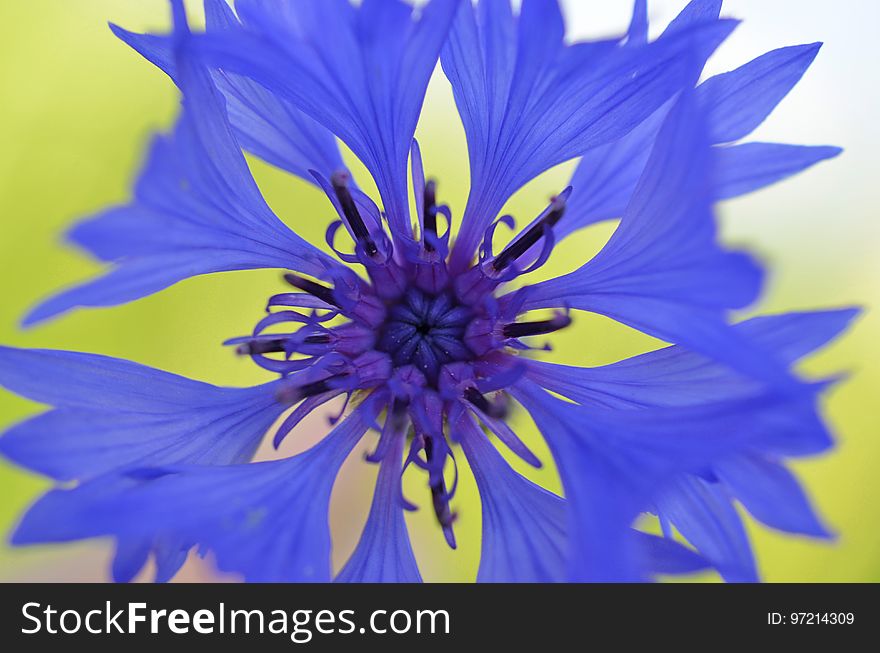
432	341
426	331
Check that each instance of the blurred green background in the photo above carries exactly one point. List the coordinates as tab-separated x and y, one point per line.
78	107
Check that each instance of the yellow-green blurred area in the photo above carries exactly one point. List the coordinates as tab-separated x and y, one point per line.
77	108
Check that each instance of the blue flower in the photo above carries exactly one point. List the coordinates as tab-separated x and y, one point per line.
431	345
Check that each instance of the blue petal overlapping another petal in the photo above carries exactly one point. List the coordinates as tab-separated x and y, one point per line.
736	103
614	464
701	509
771	493
267	126
663	271
740	100
529	102
384	553
110	415
197	210
525	527
674	376
704	514
266	521
364	78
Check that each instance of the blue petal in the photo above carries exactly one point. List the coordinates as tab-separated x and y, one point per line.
674	376
771	494
360	71
663	271
524	526
749	167
384	553
530	106
735	104
703	514
130	557
638	26
78	380
112	414
169	555
197	210
606	177
266	521
696	12
613	463
665	556
132	553
740	100
525	531
270	128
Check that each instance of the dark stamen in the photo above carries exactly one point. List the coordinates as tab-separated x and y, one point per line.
482	404
277	345
445	516
522	329
429	217
323	293
339	180
314	388
522	244
256	347
399	407
297	393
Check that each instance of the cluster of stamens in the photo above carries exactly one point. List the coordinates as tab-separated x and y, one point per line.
435	347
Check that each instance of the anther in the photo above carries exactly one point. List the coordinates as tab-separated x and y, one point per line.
256	347
523	329
324	293
524	242
339	180
440	499
297	393
429	217
278	345
399	407
482	404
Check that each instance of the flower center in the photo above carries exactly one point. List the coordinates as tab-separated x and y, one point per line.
434	342
426	331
